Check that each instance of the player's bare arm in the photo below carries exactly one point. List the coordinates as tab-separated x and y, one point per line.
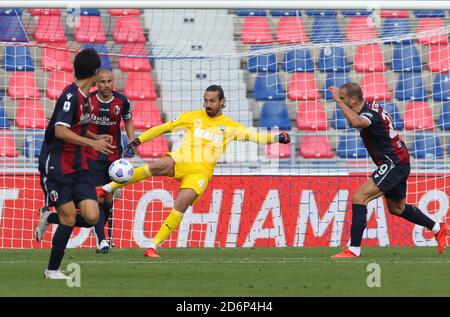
100	145
353	118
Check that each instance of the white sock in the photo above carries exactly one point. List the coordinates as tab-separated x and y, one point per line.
436	227
107	188
355	250
152	245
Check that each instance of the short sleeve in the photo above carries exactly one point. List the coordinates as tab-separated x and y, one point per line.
370	115
66	108
126	113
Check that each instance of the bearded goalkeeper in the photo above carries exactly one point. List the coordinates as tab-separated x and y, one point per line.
207	135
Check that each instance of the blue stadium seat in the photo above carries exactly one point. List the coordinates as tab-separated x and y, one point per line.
396	27
392	109
275	114
268	87
333	59
444	116
298	60
286	13
352	13
325	30
441	87
338	120
410	87
262	62
12	12
103	52
351	146
32	144
406	58
427	146
4	123
11	29
90	12
17	58
321	13
334	79
245	13
429	13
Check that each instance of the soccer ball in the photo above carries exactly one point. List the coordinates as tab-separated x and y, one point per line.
121	171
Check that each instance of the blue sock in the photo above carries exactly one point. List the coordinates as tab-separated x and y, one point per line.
100	225
79	221
415	215
59	242
359	223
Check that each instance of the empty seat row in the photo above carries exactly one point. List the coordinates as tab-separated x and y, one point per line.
345	13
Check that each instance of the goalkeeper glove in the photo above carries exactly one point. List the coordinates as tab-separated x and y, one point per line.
284	138
130	148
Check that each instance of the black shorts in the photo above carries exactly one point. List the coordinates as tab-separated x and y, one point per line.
98	170
391	179
60	189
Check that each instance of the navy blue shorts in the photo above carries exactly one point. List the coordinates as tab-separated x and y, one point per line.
98	170
391	179
60	189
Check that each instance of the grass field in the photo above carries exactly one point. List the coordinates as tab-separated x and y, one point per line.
230	272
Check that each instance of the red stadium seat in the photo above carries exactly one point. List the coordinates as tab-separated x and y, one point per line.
277	150
153	149
146	114
57	82
256	30
122	12
439	59
369	58
7	145
290	30
30	114
90	30
39	12
302	86
23	85
311	116
375	87
49	28
418	116
427	24
315	147
360	29
394	14
56	58
134	64
139	86
128	29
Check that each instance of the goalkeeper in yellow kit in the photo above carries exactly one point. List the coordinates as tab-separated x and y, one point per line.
207	134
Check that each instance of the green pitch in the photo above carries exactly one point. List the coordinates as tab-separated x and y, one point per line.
231	272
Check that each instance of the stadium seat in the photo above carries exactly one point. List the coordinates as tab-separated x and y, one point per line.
359	29
392	109
134	64
23	85
146	114
140	86
17	58
325	30
427	24
418	116
155	148
30	114
11	12
444	116
311	116
56	58
321	13
39	12
262	62
290	30
369	58
357	13
394	14
439	59
393	27
334	79
128	29
441	87
57	81
375	87
11	29
427	146
338	120
122	12
256	30
351	146
49	29
90	30
315	147
302	86
268	87
274	114
32	144
410	87
103	52
406	58
277	150
4	122
246	13
89	12
429	13
7	145
298	60
289	13
333	59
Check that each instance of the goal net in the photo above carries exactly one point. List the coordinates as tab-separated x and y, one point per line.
275	67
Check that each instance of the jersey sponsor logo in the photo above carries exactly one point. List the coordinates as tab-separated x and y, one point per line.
66	106
102	120
84	118
208	135
54	196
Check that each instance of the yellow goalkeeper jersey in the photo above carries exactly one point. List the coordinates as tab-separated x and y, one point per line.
205	139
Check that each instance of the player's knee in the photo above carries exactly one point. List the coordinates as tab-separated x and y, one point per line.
358	199
91	219
396	211
68	220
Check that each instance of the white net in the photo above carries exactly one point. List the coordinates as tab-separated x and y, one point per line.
275	67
